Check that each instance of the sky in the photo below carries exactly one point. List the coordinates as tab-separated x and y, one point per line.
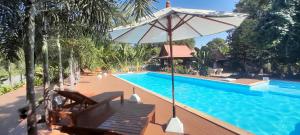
218	5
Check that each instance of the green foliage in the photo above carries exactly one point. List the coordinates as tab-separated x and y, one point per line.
5	89
255	8
3	74
10	30
189	42
220	45
84	49
208	54
269	38
244	48
137	9
278	25
38	81
181	69
107	56
202	56
18	85
203	70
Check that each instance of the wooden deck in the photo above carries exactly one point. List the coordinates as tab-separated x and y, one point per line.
195	123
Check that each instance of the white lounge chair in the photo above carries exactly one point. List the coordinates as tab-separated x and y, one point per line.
219	71
228	79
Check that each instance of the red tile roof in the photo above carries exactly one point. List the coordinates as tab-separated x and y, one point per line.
179	51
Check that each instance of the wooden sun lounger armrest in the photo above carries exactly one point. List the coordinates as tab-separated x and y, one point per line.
152	117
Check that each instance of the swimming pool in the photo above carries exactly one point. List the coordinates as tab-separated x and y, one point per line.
271	108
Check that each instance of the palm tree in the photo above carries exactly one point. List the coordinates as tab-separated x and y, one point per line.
139	57
46	78
10	33
95	18
29	41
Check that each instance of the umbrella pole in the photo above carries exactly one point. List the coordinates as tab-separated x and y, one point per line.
172	62
174	125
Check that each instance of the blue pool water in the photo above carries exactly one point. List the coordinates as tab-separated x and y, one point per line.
271	108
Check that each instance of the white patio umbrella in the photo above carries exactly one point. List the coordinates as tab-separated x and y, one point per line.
172	24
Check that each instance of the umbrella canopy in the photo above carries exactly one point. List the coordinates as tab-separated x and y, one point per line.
186	23
176	24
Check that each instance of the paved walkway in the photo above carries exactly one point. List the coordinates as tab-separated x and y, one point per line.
9	105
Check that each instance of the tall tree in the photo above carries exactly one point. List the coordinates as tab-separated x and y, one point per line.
46	78
29	60
243	41
255	8
278	25
10	33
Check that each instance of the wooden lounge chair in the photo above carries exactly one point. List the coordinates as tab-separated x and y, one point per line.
86	71
77	98
102	115
75	103
127	119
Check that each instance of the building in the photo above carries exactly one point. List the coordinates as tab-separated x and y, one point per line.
180	52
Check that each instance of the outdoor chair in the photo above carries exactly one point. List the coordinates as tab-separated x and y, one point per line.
211	71
75	103
86	71
110	117
219	71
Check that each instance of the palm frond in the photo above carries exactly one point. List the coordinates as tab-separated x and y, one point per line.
137	9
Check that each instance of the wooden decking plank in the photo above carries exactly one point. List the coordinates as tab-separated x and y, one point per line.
122	124
128	117
132	119
132	124
121	130
127	120
124	129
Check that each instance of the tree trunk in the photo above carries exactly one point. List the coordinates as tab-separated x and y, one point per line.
75	72
46	80
29	61
71	77
21	77
9	72
61	79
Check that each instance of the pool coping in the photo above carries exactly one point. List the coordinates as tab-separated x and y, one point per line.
203	115
182	75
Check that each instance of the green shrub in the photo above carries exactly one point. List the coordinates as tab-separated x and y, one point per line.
3	75
2	79
182	70
153	67
5	89
38	81
203	71
18	85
